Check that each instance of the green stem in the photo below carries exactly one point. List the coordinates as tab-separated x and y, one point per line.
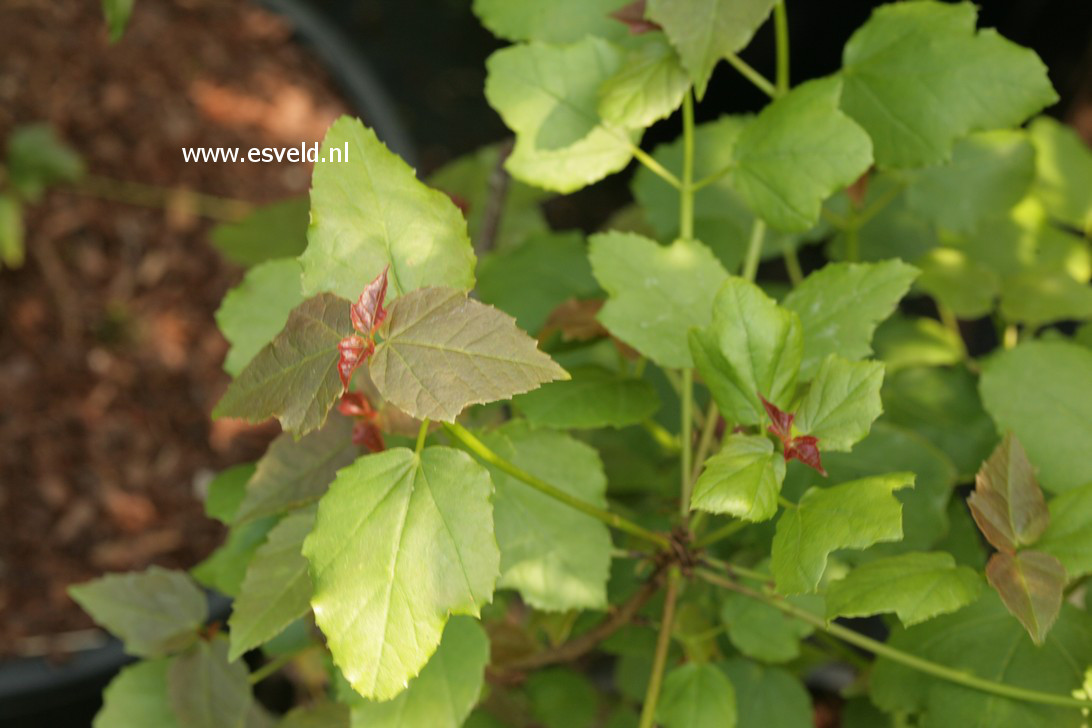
781	30
275	665
792	265
655	167
686	443
686	191
422	434
705	442
706	181
726	531
754	249
853	240
663	645
785	502
613	520
659	433
737	570
751	75
894	654
136	193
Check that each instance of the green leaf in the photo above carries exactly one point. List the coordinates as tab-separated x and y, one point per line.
561	21
915	586
225	568
442	351
768	696
137	698
445	692
697	695
277	587
562	698
226	491
294	378
656	292
1030	584
320	715
704	31
1069	535
892	230
473	178
117	17
1038	297
743	479
557	558
1007	503
797	152
904	341
852	515
984	640
548	95
958	282
841	304
154	612
988	173
256	310
593	398
205	690
37	158
530	281
12	249
294	472
269	232
907	72
751	346
842	402
370	212
1039	391
763	632
1063	172
942	406
400	542
649	86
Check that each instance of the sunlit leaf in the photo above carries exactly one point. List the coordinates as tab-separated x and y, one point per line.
255	311
1063	172
842	402
742	480
560	21
648	87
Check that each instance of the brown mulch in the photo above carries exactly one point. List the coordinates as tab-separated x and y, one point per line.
109	355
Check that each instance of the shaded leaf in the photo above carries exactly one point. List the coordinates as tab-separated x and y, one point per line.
841	304
154	612
1030	584
137	698
594	397
117	17
225	568
205	690
743	479
1007	503
370	212
562	698
902	341
38	158
1038	297
400	542
764	632
842	402
294	378
320	715
958	282
852	515
442	351
269	232
1069	535
752	347
548	95
909	60
226	491
12	250
445	692
915	586
648	87
656	292
798	151
704	31
697	695
293	473
255	311
768	696
1040	392
277	588
557	558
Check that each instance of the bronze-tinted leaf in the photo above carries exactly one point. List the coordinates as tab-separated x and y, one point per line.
1030	584
1007	503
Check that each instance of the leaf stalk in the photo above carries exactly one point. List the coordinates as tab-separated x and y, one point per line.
663	645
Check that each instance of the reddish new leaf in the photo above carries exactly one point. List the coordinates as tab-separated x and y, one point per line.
368	312
368	435
355	404
805	448
781	422
1007	502
1030	584
633	16
353	350
366	430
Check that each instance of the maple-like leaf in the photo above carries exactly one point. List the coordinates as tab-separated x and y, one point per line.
368	313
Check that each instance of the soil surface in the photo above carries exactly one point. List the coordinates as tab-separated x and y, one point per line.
110	361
